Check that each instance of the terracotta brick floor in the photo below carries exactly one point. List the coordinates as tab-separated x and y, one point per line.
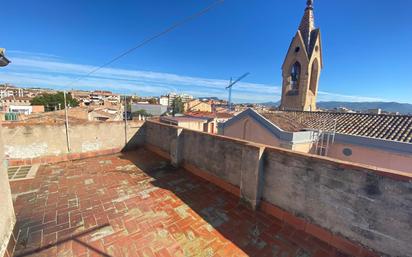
135	204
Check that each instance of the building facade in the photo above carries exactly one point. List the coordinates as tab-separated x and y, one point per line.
164	100
151	109
185	98
383	141
302	66
193	123
198	106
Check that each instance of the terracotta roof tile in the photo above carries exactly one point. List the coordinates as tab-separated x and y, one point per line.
388	127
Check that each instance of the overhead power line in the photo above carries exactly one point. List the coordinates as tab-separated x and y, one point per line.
151	38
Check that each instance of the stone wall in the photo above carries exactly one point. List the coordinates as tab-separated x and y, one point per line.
34	141
374	156
160	135
359	203
339	202
212	154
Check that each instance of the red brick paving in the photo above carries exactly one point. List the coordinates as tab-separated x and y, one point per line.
135	204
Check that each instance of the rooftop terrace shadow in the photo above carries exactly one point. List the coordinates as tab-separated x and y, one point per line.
47	250
217	220
136	204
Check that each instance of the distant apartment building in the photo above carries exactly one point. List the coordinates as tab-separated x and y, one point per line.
375	111
5	93
100	97
80	95
26	110
164	100
104	114
7	90
198	106
185	98
20	105
193	123
344	110
213	119
150	109
25	101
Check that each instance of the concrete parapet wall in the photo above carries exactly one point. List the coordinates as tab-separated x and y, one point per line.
356	202
348	205
7	216
345	204
39	141
214	155
160	135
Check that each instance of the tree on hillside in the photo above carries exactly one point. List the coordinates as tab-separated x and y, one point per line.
152	101
177	106
142	112
52	102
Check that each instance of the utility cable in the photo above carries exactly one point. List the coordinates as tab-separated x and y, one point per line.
150	39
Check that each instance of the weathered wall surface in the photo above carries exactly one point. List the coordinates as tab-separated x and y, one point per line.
249	129
213	154
372	156
198	126
7	217
352	201
206	152
32	141
370	206
160	135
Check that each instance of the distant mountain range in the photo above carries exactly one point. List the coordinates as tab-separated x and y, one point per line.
361	106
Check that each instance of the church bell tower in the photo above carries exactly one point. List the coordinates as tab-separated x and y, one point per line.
302	66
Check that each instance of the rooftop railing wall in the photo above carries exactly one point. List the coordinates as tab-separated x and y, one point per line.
335	200
45	143
363	205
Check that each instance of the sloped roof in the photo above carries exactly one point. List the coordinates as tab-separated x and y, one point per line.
284	122
221	115
307	25
388	127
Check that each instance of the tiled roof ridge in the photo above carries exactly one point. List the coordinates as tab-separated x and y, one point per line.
381	126
345	113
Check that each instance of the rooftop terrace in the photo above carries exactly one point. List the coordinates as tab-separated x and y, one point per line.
161	190
136	204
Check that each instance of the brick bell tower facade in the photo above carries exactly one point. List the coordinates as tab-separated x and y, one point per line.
302	66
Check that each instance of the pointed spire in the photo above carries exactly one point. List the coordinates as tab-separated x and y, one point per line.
309	4
307	25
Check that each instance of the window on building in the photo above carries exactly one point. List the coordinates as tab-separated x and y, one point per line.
295	77
314	77
347	152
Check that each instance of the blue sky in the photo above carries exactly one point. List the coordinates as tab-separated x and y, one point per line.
366	45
